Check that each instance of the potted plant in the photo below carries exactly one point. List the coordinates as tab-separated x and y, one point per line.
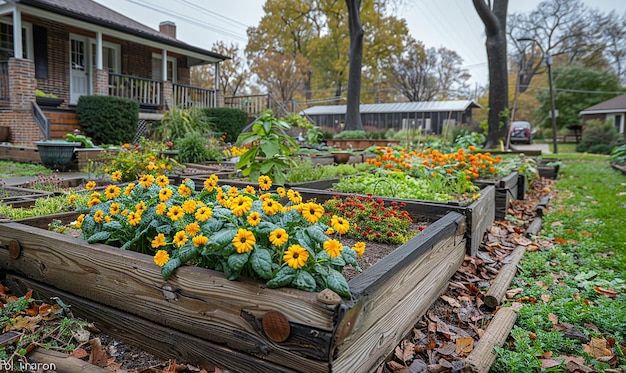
47	99
56	154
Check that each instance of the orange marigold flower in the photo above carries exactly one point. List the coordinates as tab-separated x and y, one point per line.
161	258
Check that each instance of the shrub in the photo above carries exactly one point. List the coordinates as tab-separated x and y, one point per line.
107	119
228	121
178	123
618	155
198	149
352	134
598	137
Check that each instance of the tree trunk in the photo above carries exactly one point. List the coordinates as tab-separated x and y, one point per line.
495	29
353	112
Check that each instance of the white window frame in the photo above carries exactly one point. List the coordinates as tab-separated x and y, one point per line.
27	28
118	53
171	59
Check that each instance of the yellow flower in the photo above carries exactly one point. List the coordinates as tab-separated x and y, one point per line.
294	196
254	219
180	238
222	199
278	237
265	196
233	192
244	241
91	185
359	247
71	199
250	190
151	166
79	221
204	214
146	180
184	190
107	219
116	176
312	212
133	218
200	240
265	183
333	248
140	207
92	202
271	207
189	206
159	241
330	231
114	209
129	188
296	256
161	258
340	224
94	195
165	194
162	181
281	191
240	205
98	216
192	229
160	208
175	212
112	191
210	183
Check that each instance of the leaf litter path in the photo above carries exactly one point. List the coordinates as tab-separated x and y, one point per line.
439	341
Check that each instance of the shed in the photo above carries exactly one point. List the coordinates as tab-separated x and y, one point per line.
613	109
431	116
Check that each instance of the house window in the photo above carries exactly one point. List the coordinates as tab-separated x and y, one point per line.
6	40
110	57
156	68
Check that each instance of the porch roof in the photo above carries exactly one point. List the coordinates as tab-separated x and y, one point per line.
94	13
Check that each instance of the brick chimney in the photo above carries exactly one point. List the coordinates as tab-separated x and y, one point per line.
168	28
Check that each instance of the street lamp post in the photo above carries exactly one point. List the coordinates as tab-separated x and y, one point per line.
548	58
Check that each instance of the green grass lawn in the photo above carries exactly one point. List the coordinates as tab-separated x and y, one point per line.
578	279
12	169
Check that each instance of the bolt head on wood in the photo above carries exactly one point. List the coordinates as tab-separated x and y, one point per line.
14	249
276	326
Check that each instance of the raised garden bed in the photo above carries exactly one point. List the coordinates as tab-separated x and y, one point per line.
201	317
548	167
506	191
479	215
20	197
359	144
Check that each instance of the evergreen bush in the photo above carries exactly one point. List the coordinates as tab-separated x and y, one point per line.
108	119
228	121
598	137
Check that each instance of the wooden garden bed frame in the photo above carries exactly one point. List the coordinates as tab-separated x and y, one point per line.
201	317
506	191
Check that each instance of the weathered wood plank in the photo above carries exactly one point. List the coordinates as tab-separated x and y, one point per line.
371	348
483	355
195	301
501	283
161	341
480	216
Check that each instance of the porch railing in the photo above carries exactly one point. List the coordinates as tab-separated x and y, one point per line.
147	92
251	104
42	122
186	96
5	99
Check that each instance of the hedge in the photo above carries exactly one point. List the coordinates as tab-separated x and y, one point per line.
229	121
108	119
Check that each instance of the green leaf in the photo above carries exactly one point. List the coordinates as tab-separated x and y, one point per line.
222	238
349	256
213	225
261	261
237	261
316	233
305	240
99	237
187	252
266	227
112	226
165	229
337	283
266	166
305	281
270	148
338	261
282	278
169	267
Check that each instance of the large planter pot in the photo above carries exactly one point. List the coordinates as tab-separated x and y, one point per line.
56	154
49	101
199	316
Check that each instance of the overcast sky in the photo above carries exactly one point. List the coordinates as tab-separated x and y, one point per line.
453	24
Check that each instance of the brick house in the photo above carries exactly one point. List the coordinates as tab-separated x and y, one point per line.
613	109
71	48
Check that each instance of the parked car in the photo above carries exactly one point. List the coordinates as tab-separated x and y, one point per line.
521	132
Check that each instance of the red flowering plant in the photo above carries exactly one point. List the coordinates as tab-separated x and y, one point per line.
369	219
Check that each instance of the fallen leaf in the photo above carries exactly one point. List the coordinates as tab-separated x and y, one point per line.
597	348
556	224
451	301
24	323
547	355
516	306
606	292
79	353
396	367
550	363
464	345
418	366
513	292
82	335
545	298
560	241
406	351
571	332
586	234
552	317
98	355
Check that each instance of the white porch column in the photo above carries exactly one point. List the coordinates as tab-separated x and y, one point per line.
18	48
99	50
164	65
217	83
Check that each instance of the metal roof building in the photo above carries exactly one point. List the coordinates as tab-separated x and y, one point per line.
430	115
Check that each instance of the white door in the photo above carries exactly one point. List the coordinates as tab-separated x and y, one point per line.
79	77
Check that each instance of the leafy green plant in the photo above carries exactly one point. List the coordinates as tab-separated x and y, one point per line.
243	232
271	148
178	123
227	121
197	149
44	206
134	160
351	134
96	115
86	141
598	137
40	93
306	170
618	155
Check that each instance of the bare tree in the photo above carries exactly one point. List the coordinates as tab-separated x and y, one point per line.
494	16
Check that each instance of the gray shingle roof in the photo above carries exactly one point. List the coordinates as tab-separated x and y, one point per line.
397	107
93	12
615	104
